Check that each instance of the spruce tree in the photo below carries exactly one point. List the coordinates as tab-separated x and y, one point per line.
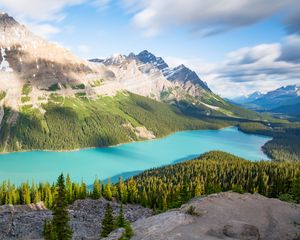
61	218
26	194
295	191
199	188
48	196
96	189
128	232
121	222
144	198
122	191
48	231
69	188
108	222
107	190
82	194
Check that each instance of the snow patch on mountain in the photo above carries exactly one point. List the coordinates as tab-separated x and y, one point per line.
147	57
211	106
4	64
115	59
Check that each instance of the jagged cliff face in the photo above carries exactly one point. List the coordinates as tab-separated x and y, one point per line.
148	75
137	77
180	76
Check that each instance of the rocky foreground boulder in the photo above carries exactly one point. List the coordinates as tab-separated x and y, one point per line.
226	216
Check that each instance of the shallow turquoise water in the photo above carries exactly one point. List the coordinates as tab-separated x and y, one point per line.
127	159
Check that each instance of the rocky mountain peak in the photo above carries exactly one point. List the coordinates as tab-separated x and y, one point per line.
6	21
182	74
147	57
132	56
255	95
115	59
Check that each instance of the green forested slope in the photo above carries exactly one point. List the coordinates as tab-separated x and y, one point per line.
285	145
170	186
70	123
66	123
215	171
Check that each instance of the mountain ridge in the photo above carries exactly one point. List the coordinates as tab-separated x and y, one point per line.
278	101
45	90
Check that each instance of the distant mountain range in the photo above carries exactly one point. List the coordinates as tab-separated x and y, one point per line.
247	99
284	100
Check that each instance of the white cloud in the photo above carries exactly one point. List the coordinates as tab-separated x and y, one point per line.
101	3
291	49
205	17
259	68
196	64
40	10
39	15
43	30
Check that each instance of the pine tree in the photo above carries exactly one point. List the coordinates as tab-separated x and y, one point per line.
122	191
37	197
128	231
121	222
199	189
48	231
144	198
32	192
295	191
26	194
61	218
69	188
107	190
82	190
132	190
48	196
164	203
108	222
96	189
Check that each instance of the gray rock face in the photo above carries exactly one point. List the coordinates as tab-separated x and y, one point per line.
6	21
117	234
26	222
86	216
23	222
228	216
241	231
147	57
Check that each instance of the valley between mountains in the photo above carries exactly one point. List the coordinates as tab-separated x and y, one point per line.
185	186
51	99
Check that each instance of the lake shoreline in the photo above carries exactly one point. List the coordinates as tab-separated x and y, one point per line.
126	159
116	145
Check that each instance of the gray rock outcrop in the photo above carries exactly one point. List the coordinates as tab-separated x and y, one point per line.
26	222
227	216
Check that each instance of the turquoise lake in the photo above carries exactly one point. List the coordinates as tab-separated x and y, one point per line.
128	159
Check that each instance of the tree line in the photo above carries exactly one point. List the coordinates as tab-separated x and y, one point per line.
170	186
78	123
285	145
58	228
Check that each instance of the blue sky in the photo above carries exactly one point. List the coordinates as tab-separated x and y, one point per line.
109	29
214	38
